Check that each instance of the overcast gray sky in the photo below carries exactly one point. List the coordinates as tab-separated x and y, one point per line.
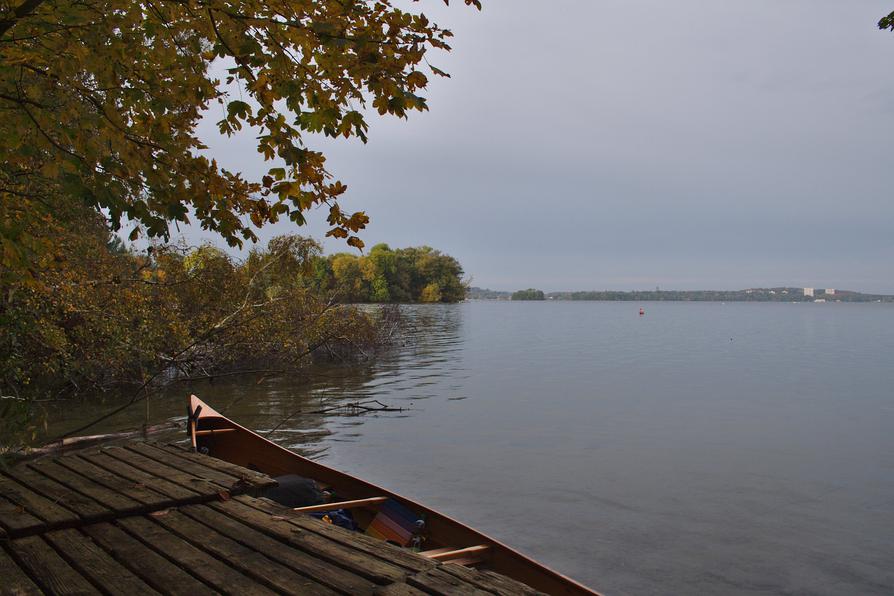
625	144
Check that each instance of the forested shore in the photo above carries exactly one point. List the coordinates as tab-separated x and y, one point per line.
100	317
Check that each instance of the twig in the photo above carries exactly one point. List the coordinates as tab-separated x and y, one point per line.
229	374
358	406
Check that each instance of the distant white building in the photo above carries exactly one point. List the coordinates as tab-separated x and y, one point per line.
808	291
830	291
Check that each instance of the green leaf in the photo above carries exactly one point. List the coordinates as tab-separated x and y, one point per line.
238	109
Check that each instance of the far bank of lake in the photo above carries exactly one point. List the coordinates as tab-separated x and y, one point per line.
777	294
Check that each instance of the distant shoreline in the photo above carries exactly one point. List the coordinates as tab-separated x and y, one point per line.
780	294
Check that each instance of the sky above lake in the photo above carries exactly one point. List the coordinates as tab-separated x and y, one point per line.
628	144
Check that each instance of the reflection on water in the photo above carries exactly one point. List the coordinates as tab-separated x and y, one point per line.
702	448
288	409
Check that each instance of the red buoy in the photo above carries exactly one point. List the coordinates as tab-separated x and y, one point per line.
642	311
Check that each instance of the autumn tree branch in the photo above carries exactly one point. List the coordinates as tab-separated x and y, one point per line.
21	11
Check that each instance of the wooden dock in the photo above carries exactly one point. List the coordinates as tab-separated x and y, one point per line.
147	518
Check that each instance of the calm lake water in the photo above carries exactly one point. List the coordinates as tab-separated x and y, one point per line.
703	448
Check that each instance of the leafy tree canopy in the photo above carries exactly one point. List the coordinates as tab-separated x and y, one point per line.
100	100
416	274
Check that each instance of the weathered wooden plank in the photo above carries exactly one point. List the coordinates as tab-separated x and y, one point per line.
247	560
160	470
16	521
503	584
141	478
85	507
134	490
258	480
210	570
115	501
490	581
14	581
398	589
359	562
223	480
368	544
35	504
322	572
441	583
95	564
47	568
144	562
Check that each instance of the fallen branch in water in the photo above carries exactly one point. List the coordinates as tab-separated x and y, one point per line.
355	407
347	409
212	376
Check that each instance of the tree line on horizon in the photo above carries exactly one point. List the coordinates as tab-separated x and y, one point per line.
777	294
529	294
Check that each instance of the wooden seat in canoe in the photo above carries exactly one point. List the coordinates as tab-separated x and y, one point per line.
470	555
355	504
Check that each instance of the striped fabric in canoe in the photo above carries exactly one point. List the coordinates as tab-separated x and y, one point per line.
394	523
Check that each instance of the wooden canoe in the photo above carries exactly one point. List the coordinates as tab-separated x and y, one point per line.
446	539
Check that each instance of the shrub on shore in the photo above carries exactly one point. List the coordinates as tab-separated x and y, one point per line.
96	317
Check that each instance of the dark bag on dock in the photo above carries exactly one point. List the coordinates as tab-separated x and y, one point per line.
295	491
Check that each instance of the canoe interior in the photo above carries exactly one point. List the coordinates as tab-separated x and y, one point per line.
243	447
